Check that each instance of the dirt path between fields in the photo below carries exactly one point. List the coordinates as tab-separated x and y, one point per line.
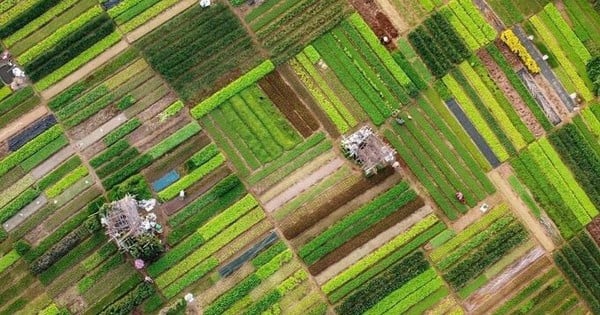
23	121
498	177
159	20
372	245
389	10
85	70
303	184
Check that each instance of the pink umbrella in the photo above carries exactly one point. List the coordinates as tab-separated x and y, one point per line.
139	264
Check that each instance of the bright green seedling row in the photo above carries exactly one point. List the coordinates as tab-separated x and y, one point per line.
173	190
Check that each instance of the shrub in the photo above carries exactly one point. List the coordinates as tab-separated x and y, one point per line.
135	185
191	178
513	42
233	88
146	247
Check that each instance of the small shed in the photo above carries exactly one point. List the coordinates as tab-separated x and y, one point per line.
368	150
123	221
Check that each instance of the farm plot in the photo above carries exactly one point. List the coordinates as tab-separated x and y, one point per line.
469	23
284	28
583	21
364	60
126	84
398	263
514	11
554	187
130	14
570	53
468	259
358	226
438	44
183	50
579	156
413	11
443	170
51	39
545	292
579	261
17	105
226	255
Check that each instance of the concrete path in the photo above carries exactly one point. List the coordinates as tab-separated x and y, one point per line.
101	132
25	213
52	162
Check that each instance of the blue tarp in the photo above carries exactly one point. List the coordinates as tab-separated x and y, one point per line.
165	181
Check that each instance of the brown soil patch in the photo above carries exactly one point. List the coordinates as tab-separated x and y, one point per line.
519	272
389	10
158	107
308	215
88	126
23	121
377	20
195	190
373	244
594	229
365	236
287	74
511	94
342	211
303	184
288	103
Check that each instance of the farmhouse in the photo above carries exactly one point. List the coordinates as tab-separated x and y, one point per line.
368	150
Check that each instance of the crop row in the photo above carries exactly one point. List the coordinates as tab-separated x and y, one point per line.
69	47
15	189
563	179
562	57
384	262
469	23
227	217
413	292
546	194
477	240
514	44
512	126
134	9
352	78
66	181
210	246
31	26
460	28
171	111
128	170
574	42
577	261
108	154
174	140
79	61
14	158
117	162
122	131
430	52
13	9
147	15
57	36
476	117
232	89
486	255
191	178
387	282
8	259
244	287
357	222
580	158
322	93
468	233
519	87
531	288
100	75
